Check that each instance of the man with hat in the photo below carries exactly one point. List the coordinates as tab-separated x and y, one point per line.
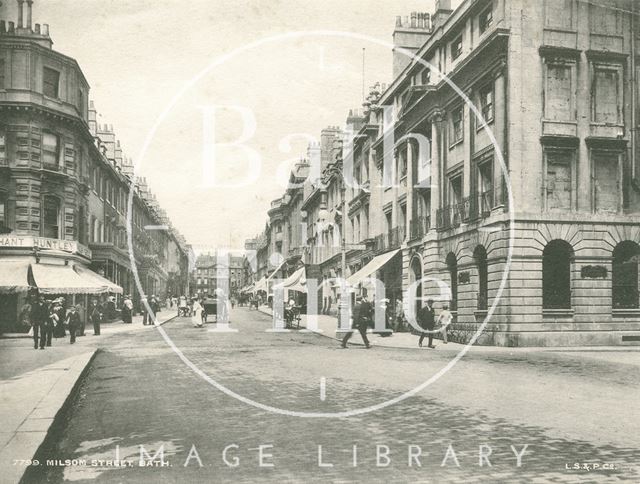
73	320
95	316
38	317
362	313
427	320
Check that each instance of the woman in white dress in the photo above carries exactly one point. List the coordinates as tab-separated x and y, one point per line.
196	318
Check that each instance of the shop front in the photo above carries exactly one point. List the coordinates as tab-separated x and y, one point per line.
50	267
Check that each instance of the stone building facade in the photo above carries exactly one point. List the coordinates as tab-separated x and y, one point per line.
64	182
510	145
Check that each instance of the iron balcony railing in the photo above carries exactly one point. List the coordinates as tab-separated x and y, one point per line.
390	240
418	227
479	205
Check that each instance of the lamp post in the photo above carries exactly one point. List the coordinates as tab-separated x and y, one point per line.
336	171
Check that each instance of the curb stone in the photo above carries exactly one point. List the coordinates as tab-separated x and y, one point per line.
27	440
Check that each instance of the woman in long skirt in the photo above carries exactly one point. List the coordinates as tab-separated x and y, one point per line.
196	319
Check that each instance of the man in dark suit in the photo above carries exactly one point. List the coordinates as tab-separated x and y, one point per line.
39	319
427	320
73	320
95	316
362	313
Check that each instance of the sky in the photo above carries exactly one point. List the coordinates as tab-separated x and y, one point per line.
208	72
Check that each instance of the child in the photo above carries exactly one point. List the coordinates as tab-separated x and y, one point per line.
444	320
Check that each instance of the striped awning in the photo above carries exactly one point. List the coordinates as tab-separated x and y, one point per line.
296	281
105	283
14	276
62	279
371	268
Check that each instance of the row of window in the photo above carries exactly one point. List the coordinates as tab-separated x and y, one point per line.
485	101
557	260
556	275
560	91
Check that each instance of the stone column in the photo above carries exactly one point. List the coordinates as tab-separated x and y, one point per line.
437	191
410	189
499	115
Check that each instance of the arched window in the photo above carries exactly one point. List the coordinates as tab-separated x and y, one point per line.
452	267
51	217
480	259
625	275
556	275
416	276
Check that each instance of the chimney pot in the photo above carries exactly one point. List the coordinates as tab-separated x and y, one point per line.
3	27
398	21
11	28
37	28
45	30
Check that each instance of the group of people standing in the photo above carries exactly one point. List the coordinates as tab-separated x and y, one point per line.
363	316
49	319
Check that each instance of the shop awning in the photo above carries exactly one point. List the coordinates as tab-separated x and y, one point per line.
91	276
276	270
62	279
13	276
373	265
296	281
261	285
246	289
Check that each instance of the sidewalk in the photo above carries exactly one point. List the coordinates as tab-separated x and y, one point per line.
29	406
168	314
328	326
36	385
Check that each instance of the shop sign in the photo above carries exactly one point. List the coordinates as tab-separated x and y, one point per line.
45	243
593	272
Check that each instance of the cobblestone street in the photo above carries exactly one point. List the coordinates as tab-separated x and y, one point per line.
139	393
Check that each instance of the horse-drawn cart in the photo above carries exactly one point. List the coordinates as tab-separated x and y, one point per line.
210	306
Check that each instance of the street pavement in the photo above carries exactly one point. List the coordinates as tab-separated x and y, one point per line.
36	385
570	408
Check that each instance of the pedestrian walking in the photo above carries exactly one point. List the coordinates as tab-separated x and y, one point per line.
110	308
127	310
426	318
82	315
58	326
95	316
183	307
53	322
196	319
155	309
444	320
73	322
144	311
38	317
362	313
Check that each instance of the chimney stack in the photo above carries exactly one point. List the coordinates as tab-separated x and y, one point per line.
443	10
20	13
410	34
29	18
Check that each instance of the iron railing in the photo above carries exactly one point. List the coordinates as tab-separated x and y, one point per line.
479	205
390	240
418	227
